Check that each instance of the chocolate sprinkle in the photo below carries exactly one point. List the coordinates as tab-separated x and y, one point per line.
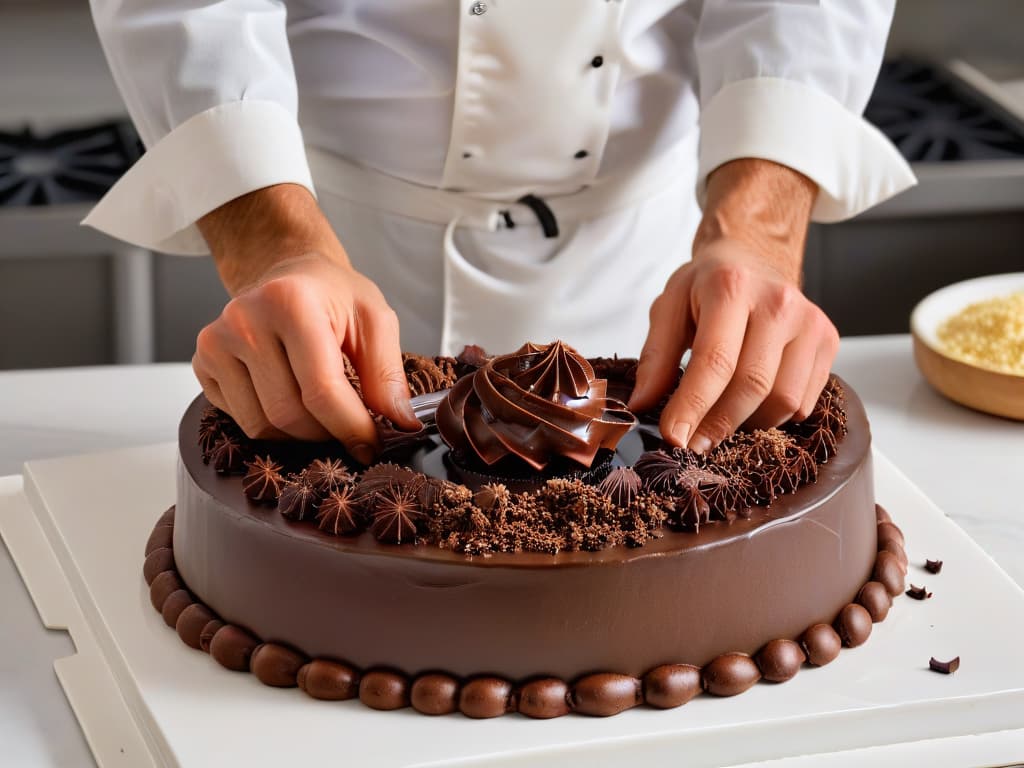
933	566
918	593
944	667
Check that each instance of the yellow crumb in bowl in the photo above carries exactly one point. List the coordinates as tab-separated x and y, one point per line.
988	334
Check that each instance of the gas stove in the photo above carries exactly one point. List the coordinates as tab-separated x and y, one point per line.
964	142
932	116
76	165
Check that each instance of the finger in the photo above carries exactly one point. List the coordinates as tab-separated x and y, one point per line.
670	333
376	353
279	393
314	354
755	380
211	389
821	371
791	382
717	342
226	383
240	399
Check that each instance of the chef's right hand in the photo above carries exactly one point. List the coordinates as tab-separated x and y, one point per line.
273	359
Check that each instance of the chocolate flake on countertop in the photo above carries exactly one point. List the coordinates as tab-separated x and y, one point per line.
933	566
944	667
918	593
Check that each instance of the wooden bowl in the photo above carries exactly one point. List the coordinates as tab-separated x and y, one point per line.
983	389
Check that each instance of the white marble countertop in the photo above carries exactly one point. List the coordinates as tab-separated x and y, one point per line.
967	462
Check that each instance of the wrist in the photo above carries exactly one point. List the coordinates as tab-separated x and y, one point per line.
257	232
762	205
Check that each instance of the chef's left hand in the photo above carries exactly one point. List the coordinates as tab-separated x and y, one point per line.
761	351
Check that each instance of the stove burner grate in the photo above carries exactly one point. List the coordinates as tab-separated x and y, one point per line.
70	166
933	117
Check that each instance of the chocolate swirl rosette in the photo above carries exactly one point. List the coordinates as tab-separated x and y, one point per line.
537	405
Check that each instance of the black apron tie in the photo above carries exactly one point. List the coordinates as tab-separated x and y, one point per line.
544	214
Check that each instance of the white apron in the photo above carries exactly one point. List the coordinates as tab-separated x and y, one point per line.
467	264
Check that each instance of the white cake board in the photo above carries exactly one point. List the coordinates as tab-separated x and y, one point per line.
78	529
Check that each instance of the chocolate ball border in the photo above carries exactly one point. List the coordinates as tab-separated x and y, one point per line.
600	694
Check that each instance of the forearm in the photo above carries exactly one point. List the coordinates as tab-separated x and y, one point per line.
251	234
763	205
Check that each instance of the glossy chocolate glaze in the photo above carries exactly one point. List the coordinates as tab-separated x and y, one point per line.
535	405
685	598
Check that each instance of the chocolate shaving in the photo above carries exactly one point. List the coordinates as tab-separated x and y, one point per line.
352	375
944	667
933	566
470	359
493	499
428	374
629	506
563	515
918	593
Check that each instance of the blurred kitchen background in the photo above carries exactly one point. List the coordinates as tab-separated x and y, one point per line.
951	96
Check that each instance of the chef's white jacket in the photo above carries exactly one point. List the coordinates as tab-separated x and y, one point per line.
427	120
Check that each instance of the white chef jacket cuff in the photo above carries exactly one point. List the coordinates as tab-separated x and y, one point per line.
211	158
853	164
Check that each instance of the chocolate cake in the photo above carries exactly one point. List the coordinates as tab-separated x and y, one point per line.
536	549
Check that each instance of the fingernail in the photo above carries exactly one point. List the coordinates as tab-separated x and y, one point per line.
700	444
363	453
680	433
404	407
